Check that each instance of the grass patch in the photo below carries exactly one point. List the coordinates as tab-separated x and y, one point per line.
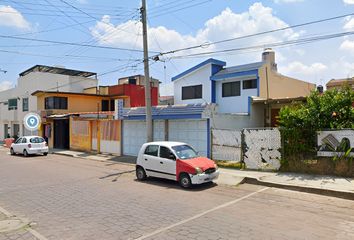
230	164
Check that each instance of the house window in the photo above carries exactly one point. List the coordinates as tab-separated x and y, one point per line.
112	105
56	103
249	84
231	89
192	92
12	104
24	104
105	105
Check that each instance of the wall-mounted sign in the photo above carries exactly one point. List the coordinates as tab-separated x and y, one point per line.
32	121
118	111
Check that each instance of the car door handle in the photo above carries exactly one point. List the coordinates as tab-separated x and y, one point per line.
145	159
161	162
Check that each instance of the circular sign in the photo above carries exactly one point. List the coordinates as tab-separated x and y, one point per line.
32	121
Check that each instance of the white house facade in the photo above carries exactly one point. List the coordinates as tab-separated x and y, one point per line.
15	103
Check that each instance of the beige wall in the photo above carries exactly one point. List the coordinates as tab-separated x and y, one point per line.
282	86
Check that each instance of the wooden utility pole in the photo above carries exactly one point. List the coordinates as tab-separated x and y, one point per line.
149	136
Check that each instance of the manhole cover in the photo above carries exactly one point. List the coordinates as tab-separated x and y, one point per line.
11	225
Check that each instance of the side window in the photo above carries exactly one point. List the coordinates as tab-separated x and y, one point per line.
152	150
24	140
18	140
165	152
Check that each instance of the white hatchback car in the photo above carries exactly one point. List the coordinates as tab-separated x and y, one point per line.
29	145
176	161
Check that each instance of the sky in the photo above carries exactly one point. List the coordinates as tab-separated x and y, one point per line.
106	36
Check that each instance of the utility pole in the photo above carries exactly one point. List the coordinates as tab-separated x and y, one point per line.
147	75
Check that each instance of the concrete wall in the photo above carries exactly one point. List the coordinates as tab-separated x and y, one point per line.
238	122
200	76
30	83
280	86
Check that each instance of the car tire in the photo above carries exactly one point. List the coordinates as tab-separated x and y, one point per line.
140	174
45	154
185	180
12	151
25	153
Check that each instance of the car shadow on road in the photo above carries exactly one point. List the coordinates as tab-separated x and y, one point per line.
166	183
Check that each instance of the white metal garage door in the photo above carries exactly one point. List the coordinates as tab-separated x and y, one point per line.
134	135
193	132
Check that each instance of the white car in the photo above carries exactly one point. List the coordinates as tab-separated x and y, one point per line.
176	161
29	145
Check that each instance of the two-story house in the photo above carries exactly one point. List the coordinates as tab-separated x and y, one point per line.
15	103
241	93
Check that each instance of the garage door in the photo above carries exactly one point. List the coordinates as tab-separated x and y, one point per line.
193	132
134	135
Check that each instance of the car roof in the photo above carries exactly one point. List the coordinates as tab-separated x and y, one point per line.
30	136
166	143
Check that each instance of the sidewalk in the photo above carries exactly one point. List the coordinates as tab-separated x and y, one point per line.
324	185
96	157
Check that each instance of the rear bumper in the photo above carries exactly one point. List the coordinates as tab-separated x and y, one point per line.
37	150
203	177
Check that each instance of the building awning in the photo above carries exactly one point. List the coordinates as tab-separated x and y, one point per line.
259	100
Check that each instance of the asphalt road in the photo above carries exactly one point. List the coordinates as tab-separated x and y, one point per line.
60	197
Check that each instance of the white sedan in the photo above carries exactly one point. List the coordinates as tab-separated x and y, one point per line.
29	145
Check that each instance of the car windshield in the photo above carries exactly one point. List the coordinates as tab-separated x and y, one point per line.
37	140
185	152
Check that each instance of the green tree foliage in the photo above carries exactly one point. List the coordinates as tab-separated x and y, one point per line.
331	110
299	122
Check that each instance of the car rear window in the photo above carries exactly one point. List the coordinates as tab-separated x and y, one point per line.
37	140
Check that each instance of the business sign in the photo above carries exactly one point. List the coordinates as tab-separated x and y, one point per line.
118	111
32	121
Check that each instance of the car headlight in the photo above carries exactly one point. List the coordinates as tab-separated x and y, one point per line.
198	170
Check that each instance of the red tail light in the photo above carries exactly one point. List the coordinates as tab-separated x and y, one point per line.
29	145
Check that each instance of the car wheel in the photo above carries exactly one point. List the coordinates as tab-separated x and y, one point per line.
45	154
25	153
140	174
12	151
185	180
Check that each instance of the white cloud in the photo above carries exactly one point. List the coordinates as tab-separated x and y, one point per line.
227	24
347	45
5	85
348	1
10	17
349	23
305	72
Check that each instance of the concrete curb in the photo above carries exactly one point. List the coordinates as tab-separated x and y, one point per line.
319	191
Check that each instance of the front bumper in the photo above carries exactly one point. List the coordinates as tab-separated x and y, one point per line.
203	177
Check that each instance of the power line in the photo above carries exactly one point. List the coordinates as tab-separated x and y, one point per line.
276	44
73	44
257	34
180	9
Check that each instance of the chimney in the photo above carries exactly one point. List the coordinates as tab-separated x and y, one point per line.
320	89
268	56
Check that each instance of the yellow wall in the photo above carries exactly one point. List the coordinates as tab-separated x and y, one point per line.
92	90
76	103
281	86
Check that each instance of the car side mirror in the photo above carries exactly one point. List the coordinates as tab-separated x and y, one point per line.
172	157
